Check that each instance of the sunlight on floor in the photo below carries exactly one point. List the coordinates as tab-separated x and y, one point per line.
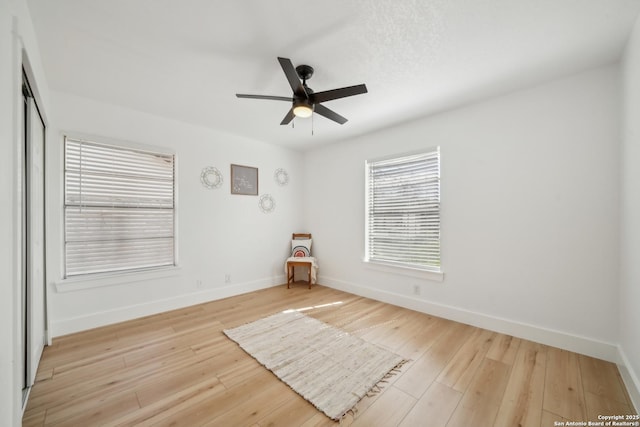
290	310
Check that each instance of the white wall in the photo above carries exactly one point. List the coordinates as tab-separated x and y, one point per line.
218	233
17	43
529	213
630	214
7	340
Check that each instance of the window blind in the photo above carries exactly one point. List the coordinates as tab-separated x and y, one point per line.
403	211
119	208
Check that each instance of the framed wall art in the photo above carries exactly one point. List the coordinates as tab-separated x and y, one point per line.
244	180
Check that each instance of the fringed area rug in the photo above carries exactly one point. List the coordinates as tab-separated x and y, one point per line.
328	367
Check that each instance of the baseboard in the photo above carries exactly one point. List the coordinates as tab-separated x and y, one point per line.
559	339
122	314
630	378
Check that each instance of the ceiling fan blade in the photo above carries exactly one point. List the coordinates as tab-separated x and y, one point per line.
329	95
292	77
287	119
273	98
329	114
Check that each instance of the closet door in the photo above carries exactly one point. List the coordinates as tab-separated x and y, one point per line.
35	234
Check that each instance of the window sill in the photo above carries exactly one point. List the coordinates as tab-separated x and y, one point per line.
79	283
405	271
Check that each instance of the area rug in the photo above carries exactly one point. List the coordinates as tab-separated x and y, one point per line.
327	366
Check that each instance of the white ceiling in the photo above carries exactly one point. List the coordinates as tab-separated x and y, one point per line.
186	59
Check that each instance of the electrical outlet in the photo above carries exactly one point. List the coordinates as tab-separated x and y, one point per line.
227	278
198	283
416	289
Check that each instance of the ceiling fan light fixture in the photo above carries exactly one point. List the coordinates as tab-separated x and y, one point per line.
302	109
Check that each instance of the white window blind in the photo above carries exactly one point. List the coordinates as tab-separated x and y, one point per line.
119	208
403	211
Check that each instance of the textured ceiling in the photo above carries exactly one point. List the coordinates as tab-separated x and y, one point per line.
186	59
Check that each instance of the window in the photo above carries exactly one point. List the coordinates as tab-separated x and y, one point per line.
118	208
403	211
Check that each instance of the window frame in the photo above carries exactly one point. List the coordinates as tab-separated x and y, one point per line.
405	268
119	275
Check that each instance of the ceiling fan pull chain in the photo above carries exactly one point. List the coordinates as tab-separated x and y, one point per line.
313	107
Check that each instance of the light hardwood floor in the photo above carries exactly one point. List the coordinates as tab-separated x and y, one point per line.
178	368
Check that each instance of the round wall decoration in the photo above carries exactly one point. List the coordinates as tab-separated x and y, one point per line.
211	177
281	176
266	203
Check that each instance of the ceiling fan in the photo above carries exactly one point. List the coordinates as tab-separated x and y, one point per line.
305	101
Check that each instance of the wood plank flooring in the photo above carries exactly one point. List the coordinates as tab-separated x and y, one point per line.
178	368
